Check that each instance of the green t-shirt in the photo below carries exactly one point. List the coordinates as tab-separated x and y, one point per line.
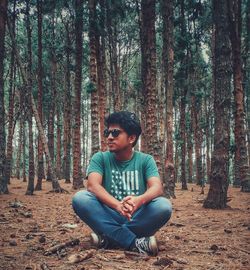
123	178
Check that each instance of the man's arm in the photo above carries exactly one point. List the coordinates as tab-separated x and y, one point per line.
95	186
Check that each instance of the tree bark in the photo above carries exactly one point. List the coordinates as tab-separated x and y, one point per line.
19	151
114	66
93	77
168	67
101	75
11	107
24	151
219	177
30	187
3	180
149	77
77	179
67	111
183	71
242	169
51	115
58	144
40	169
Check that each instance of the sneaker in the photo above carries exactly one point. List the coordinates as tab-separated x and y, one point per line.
146	245
100	241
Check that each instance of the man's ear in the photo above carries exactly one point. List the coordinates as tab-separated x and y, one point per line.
132	139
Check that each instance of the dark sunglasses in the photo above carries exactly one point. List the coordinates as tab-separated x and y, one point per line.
114	132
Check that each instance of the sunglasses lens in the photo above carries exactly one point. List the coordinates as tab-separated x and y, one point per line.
115	133
106	133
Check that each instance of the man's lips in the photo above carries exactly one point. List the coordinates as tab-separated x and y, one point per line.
111	144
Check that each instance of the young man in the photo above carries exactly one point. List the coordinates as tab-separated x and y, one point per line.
122	204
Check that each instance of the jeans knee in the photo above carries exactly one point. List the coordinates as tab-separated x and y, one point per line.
164	208
80	199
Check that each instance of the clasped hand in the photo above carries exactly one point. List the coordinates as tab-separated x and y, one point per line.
129	205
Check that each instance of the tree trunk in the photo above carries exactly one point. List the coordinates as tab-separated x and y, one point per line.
51	116
93	77
101	71
19	151
149	77
168	67
24	152
40	171
219	177
3	180
208	161
30	187
247	74
77	180
242	169
183	91
67	112
58	144
183	139
9	151
197	111
114	67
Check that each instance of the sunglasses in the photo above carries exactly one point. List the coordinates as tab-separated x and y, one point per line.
114	132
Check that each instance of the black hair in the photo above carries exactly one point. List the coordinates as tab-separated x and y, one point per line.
127	121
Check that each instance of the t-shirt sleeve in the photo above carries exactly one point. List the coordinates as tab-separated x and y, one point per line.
150	168
96	164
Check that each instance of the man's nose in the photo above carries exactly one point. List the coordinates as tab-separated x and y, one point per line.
110	136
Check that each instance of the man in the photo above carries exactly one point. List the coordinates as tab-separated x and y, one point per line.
122	204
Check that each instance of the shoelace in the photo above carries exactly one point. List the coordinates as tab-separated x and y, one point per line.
142	245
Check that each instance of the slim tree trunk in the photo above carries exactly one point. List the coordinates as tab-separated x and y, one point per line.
114	67
3	180
58	144
101	75
30	187
197	111
67	112
77	179
40	171
24	152
93	77
219	177
19	151
11	108
183	139
51	116
242	169
168	65
208	161
183	72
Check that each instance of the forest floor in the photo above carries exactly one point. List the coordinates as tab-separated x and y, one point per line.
42	232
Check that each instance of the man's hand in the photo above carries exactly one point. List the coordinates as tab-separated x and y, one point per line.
131	204
120	208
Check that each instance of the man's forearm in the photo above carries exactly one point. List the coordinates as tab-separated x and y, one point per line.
150	194
104	196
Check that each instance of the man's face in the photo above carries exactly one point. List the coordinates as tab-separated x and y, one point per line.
118	139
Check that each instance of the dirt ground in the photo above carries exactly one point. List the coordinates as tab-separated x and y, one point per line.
42	232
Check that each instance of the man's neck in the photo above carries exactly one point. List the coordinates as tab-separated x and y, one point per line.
124	155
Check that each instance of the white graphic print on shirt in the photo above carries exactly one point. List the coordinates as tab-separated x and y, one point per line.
124	184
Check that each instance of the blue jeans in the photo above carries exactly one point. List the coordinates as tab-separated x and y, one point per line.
102	219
